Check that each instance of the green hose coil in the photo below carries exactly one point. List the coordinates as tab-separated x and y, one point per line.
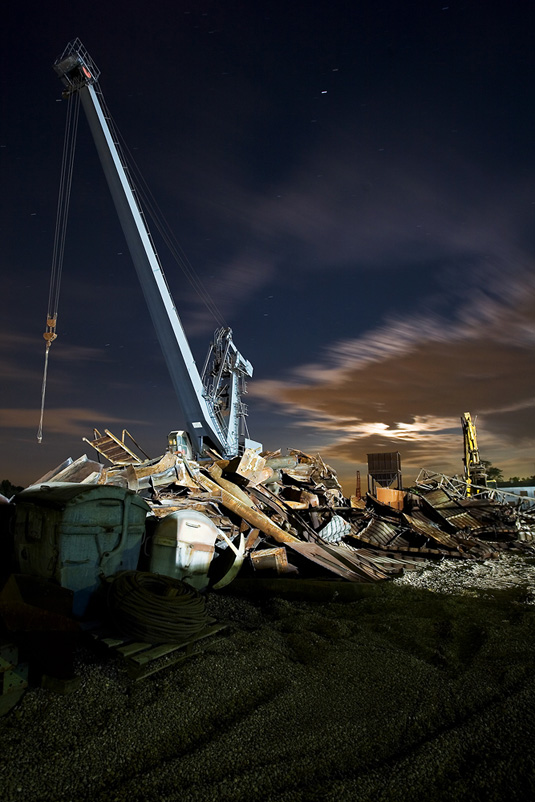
154	608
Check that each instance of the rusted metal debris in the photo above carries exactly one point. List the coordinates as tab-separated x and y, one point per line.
296	522
269	523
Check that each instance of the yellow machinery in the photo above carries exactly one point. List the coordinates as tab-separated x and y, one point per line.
474	471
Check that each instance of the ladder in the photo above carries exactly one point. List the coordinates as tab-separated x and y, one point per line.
115	450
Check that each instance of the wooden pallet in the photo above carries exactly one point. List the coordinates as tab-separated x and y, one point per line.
143	659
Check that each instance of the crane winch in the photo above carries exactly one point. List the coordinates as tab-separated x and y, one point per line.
211	404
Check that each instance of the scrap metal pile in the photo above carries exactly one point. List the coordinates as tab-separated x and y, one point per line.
132	546
286	515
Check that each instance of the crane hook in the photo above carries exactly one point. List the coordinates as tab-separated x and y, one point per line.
49	335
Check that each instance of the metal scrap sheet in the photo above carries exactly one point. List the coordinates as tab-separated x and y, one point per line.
326	559
423	526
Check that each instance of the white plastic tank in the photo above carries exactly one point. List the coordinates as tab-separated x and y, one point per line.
183	547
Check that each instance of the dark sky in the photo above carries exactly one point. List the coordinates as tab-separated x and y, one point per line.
352	183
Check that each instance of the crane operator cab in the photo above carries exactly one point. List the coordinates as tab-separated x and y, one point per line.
178	442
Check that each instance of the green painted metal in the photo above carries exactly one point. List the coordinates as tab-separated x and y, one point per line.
74	534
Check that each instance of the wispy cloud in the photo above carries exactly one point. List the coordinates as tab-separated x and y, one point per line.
22	363
12	345
342	206
404	386
236	280
66	421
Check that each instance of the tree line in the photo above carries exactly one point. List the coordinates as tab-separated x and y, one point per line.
495	474
8	489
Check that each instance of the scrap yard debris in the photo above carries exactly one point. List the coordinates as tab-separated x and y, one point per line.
286	515
172	528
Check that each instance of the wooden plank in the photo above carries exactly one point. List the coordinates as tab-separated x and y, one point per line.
162	649
181	653
139	672
133	648
111	643
156	651
143	659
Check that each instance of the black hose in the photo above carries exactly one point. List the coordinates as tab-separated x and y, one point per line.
156	609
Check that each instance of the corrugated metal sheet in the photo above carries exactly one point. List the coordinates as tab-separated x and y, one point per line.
423	526
383	535
356	561
384	462
459	518
437	498
420	524
327	559
380	532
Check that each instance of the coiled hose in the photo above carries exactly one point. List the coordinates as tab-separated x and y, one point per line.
156	609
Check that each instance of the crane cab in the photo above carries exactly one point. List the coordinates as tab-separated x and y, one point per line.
178	442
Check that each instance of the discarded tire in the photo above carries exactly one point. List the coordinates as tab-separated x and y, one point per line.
156	609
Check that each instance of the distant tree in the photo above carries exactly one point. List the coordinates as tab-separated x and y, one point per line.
493	473
8	489
516	481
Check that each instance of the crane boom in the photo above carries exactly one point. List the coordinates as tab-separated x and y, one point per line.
214	415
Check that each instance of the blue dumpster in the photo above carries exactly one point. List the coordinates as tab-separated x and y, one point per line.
74	534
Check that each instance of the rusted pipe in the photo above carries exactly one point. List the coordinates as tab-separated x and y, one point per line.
252	516
215	472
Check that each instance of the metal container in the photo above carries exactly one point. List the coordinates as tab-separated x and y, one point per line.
74	534
183	546
270	559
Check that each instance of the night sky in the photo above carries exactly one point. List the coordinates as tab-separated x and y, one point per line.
353	185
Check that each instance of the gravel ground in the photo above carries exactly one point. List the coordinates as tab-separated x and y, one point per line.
509	571
423	689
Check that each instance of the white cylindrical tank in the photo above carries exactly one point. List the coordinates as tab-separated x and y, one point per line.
183	547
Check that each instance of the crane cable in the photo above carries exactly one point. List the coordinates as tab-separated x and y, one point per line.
67	165
148	202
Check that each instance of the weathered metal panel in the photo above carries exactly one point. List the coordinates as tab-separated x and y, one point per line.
250	466
393	498
81	470
385	462
424	527
325	557
302	472
73	533
437	498
460	519
380	532
270	559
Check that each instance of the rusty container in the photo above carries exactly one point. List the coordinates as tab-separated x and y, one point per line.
270	559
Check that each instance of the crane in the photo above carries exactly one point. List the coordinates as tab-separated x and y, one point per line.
211	404
474	471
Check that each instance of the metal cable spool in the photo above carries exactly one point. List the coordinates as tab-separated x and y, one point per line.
156	609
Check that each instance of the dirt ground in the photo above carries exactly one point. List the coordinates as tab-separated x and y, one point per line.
404	693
